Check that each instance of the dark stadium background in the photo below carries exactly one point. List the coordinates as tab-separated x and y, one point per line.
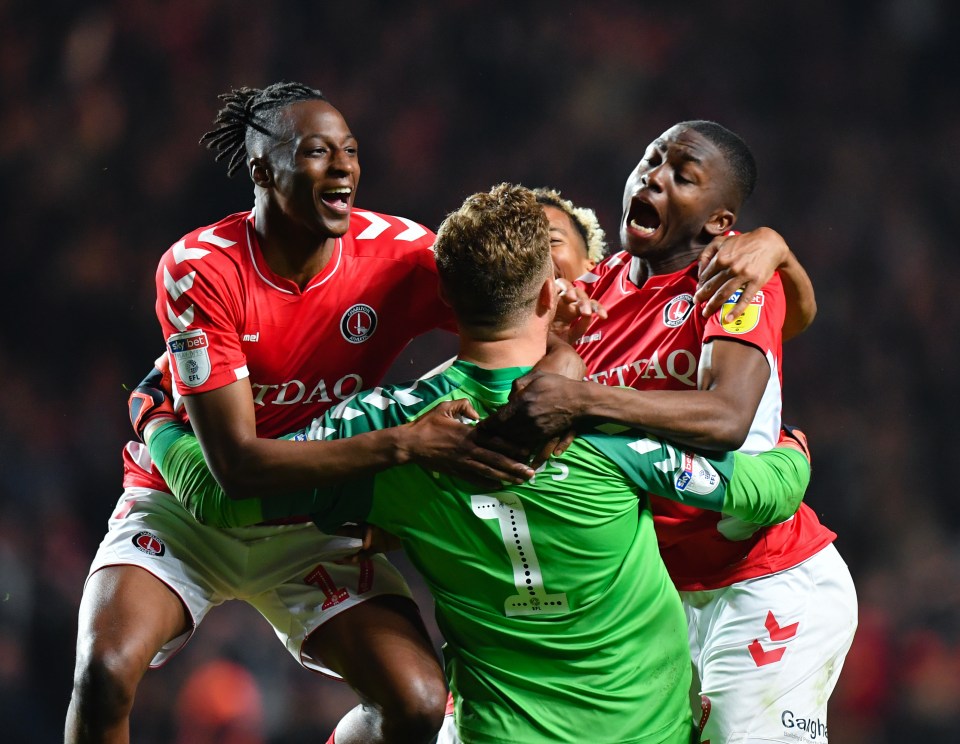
852	109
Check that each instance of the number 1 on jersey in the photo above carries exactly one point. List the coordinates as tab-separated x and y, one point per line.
532	597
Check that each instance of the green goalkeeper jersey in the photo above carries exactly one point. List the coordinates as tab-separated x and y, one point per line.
559	617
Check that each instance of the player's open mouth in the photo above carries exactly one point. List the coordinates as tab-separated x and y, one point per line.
337	199
643	218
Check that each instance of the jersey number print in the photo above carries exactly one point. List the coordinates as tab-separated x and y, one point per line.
532	597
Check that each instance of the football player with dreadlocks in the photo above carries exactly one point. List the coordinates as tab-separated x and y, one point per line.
272	316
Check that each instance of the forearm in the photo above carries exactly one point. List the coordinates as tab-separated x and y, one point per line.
244	464
716	416
698	419
767	488
177	454
256	466
800	297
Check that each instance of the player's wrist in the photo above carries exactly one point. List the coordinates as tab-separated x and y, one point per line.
783	252
399	444
154	424
589	401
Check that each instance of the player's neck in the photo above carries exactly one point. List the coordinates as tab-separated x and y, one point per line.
658	264
515	347
290	251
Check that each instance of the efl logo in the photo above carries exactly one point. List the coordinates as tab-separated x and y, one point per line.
677	310
147	542
189	351
358	323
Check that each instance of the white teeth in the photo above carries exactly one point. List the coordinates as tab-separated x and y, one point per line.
341	190
641	228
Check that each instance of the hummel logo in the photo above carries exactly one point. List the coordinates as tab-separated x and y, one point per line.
588	339
777	632
251	337
762	657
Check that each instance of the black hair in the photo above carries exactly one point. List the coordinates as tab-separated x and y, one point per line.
584	221
548	199
743	167
248	114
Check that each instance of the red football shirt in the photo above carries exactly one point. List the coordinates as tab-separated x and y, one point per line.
226	315
653	340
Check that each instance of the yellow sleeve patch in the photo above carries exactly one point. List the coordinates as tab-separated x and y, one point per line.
750	317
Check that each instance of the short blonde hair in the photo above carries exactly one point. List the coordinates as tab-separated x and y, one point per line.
583	218
493	255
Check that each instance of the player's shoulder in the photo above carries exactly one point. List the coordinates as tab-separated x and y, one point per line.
222	242
616	261
389	236
605	271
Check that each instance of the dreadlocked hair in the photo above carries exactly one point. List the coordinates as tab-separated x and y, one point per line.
248	111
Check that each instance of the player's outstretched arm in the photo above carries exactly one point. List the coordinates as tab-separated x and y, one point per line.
747	261
715	418
177	454
248	466
763	489
436	438
767	488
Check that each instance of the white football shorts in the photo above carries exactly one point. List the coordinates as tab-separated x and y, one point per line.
768	651
287	572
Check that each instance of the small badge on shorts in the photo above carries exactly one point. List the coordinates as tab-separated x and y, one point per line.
677	310
147	542
358	323
751	316
189	351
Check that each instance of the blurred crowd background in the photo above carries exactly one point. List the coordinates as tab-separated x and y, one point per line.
853	112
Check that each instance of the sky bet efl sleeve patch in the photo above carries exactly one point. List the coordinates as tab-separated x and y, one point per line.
750	318
189	353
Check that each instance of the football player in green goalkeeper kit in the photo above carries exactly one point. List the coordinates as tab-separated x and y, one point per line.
560	622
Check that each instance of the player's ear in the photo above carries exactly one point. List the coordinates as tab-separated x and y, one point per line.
260	172
720	222
548	296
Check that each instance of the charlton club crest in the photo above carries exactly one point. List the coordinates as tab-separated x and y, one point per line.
677	310
147	542
358	323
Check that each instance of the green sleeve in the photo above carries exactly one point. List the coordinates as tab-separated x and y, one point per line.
767	488
178	456
176	452
762	489
664	469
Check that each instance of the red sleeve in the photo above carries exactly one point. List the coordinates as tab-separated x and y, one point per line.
197	306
